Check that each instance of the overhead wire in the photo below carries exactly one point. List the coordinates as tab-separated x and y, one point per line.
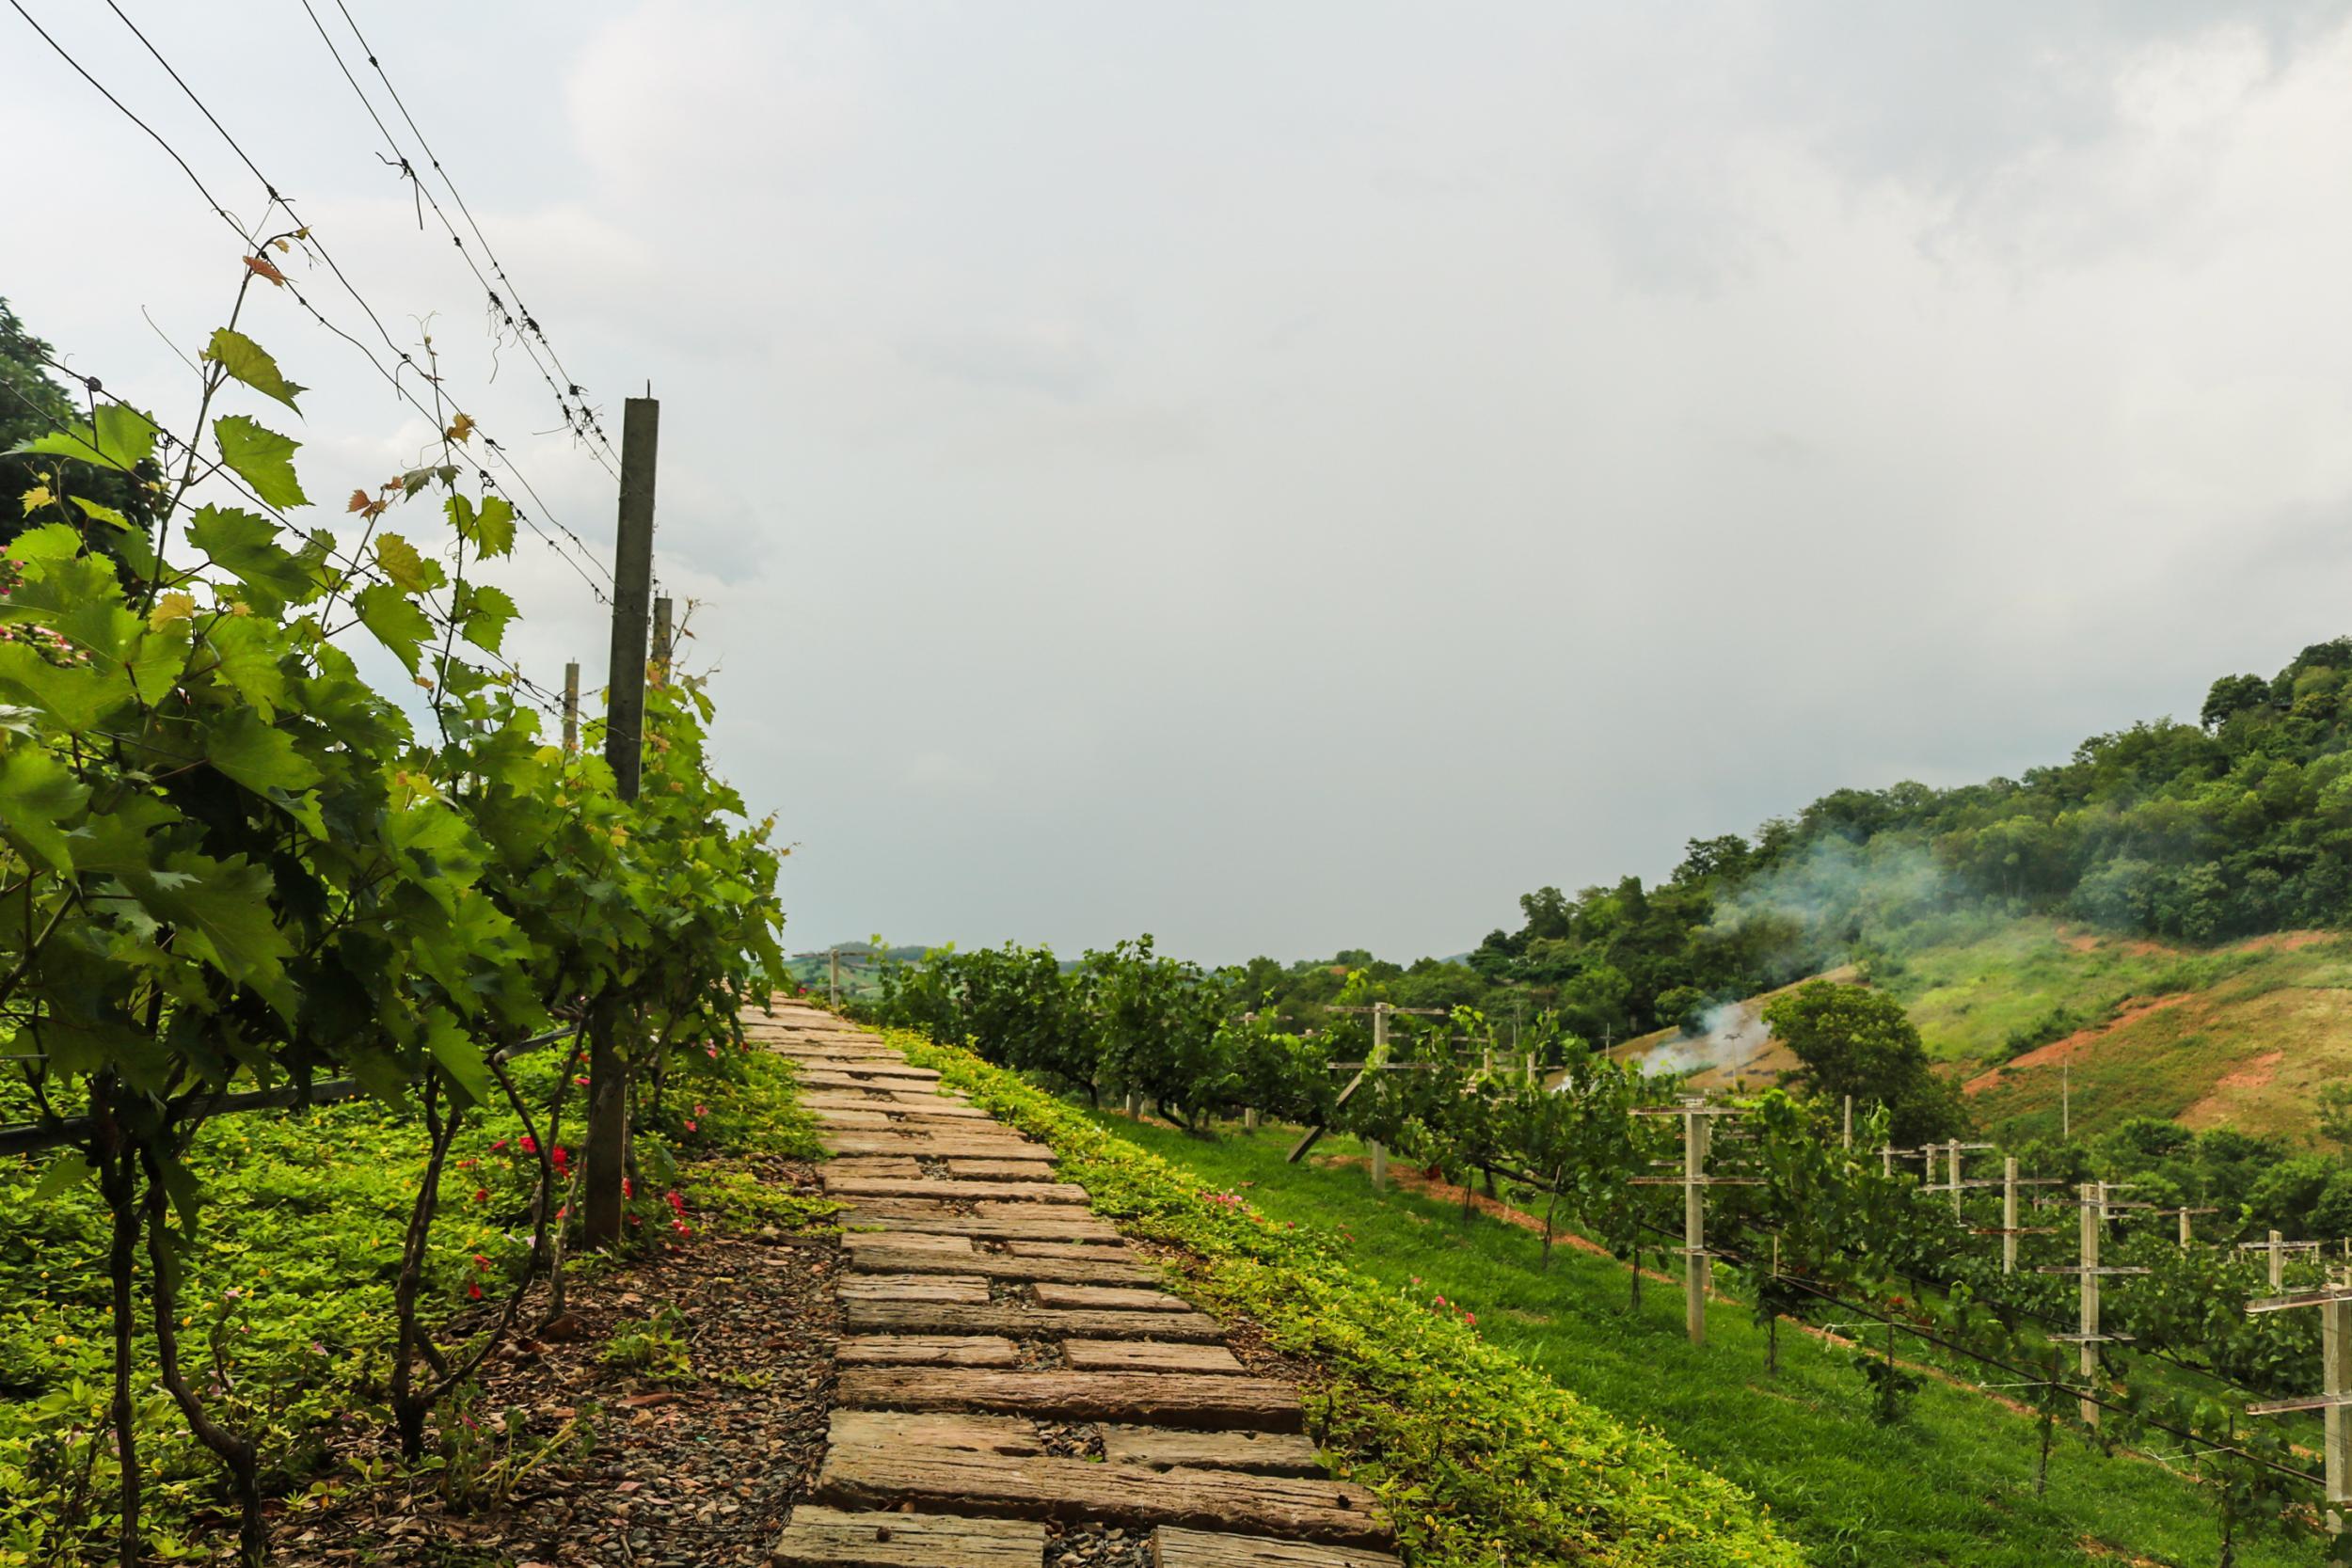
530	320
527	332
439	415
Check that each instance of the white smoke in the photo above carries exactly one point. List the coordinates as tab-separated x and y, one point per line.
1731	1036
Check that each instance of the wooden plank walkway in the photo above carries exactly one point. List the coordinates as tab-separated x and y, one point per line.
1011	1367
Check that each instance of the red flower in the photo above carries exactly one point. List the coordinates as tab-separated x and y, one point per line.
689	1125
560	1155
528	1143
481	1262
581	1081
473	1292
698	1110
481	1195
498	1146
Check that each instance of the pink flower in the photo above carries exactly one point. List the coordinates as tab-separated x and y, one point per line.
689	1125
1471	1318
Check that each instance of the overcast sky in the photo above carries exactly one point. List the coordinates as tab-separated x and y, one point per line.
1289	476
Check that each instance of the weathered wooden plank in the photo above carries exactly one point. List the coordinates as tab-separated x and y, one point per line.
1105	1298
996	1170
1173	1547
1150	1355
967	1289
1271	1453
1012	1434
943	1187
1049	1487
935	1145
927	1350
901	1166
1079	1224
1083	1252
1133	1398
958	1216
828	1116
1021	1322
858	1242
816	1537
876	1254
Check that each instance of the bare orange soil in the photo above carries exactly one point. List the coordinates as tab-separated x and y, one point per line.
2075	1045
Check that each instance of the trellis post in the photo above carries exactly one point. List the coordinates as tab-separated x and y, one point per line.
2091	1203
2334	1301
1697	1116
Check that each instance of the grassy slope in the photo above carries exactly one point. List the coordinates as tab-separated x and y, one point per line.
2242	1036
1951	1485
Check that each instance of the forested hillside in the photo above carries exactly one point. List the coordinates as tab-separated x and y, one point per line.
2195	834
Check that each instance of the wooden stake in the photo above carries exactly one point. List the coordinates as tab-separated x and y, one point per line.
2009	1214
606	1164
2090	1311
832	963
571	707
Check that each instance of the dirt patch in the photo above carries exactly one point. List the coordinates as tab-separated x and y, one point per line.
2255	1074
697	1469
2285	941
2075	1045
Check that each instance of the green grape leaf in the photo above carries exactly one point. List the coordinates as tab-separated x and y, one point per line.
223	913
36	793
490	528
250	363
458	1056
74	696
257	754
395	618
262	458
120	436
49	541
247	658
245	545
116	842
410	573
482	612
63	1174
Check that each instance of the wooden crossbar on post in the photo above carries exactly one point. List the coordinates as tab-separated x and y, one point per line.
1697	1127
2334	1302
2092	1202
1379	1011
2277	1250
